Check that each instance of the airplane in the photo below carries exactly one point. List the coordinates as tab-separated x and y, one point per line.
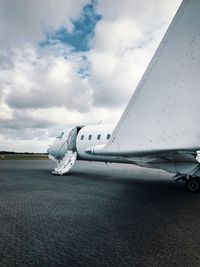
160	127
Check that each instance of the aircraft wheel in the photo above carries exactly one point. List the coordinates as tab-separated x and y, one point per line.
193	185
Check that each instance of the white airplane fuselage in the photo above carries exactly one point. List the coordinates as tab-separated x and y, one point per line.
82	139
159	128
87	142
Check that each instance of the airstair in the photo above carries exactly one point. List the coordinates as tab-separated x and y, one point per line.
68	152
198	156
66	163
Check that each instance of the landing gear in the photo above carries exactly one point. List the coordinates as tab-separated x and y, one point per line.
193	184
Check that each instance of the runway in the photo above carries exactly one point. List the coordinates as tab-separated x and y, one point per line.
98	215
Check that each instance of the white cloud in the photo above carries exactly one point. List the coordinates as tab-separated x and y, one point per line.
26	20
144	12
42	90
45	81
123	45
117	35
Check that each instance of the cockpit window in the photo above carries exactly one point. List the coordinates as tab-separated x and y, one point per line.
90	137
82	137
108	136
60	135
98	137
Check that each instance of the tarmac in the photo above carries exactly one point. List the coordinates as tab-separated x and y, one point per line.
97	215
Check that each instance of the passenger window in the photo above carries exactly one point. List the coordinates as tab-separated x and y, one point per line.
108	136
98	137
90	137
82	137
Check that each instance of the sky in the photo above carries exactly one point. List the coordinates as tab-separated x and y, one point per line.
65	63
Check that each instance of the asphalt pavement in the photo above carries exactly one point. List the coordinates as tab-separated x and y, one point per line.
97	215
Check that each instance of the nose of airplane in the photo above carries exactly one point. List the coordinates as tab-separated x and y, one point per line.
55	149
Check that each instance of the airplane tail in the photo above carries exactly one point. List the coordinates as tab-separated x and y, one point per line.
163	113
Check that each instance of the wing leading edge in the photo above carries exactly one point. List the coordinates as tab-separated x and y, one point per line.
163	111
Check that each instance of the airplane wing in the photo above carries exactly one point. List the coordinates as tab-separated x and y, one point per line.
163	113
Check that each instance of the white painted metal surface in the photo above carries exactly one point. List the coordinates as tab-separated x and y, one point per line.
94	130
160	127
66	141
163	113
